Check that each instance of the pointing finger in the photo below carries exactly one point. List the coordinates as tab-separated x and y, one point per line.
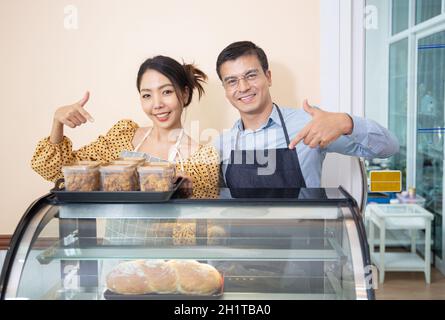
300	136
315	142
80	117
84	113
85	99
310	137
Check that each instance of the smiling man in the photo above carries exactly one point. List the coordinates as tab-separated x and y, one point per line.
258	151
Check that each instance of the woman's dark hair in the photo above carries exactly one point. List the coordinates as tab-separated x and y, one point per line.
239	49
183	77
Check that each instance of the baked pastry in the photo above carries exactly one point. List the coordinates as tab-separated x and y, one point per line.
118	178
156	177
157	276
128	278
196	278
83	178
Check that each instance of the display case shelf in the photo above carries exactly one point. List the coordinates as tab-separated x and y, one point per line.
193	253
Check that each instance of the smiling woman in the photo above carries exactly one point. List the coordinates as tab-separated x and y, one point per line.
166	87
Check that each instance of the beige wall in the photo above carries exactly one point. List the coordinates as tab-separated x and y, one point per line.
43	66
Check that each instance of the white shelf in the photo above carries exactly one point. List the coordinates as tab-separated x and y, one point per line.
196	253
404	223
399	261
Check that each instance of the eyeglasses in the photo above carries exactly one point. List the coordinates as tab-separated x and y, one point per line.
233	82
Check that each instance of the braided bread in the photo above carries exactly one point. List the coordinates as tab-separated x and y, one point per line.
157	276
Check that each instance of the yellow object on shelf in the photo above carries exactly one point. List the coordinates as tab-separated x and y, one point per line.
385	181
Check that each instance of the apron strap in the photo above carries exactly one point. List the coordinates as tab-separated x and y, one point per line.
172	156
176	151
283	125
286	135
143	139
237	139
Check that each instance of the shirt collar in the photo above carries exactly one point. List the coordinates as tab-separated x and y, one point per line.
274	118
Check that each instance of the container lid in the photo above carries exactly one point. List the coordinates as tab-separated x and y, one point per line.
88	163
161	164
147	169
131	159
126	162
112	168
79	168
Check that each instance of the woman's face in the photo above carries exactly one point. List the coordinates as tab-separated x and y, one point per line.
160	101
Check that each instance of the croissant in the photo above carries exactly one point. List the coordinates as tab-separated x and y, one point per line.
158	276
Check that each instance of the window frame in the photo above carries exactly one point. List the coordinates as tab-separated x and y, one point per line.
342	67
413	34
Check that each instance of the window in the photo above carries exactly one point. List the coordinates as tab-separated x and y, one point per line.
405	91
427	9
400	15
430	124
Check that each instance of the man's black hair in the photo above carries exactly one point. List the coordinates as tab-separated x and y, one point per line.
239	49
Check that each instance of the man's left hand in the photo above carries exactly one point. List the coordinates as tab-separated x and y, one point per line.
325	128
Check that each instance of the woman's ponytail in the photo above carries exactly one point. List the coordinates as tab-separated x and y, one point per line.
196	79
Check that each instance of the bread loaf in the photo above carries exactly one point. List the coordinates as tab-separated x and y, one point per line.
157	276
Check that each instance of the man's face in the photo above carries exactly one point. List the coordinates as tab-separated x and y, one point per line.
246	84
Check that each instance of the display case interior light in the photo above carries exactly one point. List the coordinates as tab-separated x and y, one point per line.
385	181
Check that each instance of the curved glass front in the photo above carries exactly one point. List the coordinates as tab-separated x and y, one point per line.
284	250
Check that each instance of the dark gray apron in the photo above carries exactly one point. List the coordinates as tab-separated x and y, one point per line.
286	182
240	177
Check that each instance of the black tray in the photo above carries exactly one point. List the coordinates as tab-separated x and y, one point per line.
62	195
109	295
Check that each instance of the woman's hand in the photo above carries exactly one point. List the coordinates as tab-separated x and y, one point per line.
73	115
186	188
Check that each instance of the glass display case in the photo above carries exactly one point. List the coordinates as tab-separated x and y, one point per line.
306	245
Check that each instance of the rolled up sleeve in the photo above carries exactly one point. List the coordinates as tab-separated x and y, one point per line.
368	139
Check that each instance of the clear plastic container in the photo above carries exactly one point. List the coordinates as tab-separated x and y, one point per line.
156	177
126	163
118	178
82	178
129	161
88	163
417	200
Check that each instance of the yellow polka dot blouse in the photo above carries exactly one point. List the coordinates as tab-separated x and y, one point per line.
48	159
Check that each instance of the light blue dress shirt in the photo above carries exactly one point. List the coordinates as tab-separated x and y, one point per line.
368	140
